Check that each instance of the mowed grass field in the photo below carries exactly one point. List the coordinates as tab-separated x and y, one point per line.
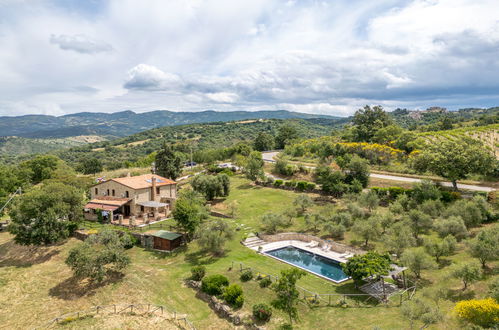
36	285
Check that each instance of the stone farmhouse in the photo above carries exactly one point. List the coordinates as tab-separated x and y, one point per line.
131	200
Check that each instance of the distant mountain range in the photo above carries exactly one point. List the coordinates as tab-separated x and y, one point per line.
124	123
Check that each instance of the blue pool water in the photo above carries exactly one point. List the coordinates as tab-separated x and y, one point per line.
319	265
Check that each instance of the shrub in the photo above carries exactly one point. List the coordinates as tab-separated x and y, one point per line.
450	196
214	284
130	241
310	186
246	276
265	282
278	183
198	273
290	184
482	312
233	295
301	185
262	312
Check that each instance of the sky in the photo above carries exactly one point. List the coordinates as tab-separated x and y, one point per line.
329	57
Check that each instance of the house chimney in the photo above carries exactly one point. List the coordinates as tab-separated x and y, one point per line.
153	191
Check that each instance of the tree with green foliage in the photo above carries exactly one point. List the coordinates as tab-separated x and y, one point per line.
453	225
100	255
264	141
336	230
271	222
332	181
46	214
420	310
455	159
368	121
212	236
188	211
369	200
285	135
357	170
419	222
90	166
399	237
168	162
303	202
416	259
211	186
485	245
368	229
314	221
494	289
469	210
438	248
253	167
387	135
40	168
467	272
362	266
424	191
287	294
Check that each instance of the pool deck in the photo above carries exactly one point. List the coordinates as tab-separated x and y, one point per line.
340	257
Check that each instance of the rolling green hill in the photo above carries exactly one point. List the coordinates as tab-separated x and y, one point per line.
125	123
198	136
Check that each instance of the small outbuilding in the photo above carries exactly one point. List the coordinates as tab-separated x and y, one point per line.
166	240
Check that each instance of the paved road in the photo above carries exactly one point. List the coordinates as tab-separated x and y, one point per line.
269	157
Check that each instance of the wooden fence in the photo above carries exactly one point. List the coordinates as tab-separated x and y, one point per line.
335	246
357	300
145	310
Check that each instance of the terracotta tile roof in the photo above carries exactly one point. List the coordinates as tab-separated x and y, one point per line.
143	181
96	206
108	200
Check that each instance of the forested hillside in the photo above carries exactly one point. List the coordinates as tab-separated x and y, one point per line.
125	123
122	152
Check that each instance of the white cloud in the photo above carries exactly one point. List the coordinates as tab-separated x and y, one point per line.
148	77
80	43
312	56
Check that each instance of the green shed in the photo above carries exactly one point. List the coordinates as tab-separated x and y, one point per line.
166	240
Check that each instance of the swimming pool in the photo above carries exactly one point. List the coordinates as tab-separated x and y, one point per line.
316	264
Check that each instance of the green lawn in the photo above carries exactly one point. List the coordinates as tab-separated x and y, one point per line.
36	285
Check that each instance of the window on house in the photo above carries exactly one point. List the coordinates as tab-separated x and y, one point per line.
96	191
113	192
141	209
157	190
127	194
108	192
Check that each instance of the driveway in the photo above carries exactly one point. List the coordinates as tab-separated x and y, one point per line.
269	157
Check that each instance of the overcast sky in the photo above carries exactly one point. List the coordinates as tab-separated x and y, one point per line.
331	57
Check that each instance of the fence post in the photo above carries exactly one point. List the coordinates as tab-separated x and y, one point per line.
131	308
329	303
115	309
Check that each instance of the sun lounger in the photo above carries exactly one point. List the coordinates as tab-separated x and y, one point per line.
312	244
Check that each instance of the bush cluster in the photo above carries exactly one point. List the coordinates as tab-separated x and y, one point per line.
214	284
233	295
198	273
265	282
246	276
262	312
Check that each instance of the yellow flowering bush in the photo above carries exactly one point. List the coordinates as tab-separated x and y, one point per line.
482	312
